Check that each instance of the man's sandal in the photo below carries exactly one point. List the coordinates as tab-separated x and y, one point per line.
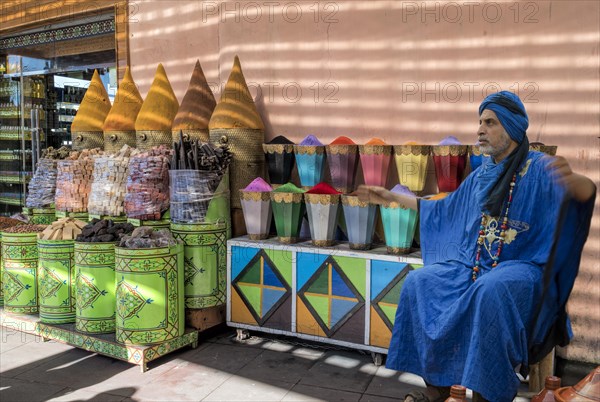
419	396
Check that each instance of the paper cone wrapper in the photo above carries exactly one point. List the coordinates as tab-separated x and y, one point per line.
547	149
475	157
288	209
411	164
399	226
257	213
360	222
322	217
343	162
311	163
450	162
280	162
375	168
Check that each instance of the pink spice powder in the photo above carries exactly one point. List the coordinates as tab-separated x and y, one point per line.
258	185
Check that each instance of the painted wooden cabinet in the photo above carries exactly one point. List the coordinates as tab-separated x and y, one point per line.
333	295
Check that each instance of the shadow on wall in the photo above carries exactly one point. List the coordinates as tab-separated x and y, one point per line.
400	71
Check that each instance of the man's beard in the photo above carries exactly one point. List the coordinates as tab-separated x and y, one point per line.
498	150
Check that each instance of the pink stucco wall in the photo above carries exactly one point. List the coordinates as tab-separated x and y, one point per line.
399	70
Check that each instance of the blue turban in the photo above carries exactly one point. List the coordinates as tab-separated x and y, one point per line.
510	111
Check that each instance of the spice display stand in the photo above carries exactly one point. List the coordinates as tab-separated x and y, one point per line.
104	344
333	295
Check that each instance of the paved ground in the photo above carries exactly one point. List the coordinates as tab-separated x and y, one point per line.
220	369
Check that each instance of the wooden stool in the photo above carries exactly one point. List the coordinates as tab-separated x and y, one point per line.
539	371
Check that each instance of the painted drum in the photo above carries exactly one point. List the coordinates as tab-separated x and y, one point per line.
82	216
156	225
95	302
19	276
150	294
205	262
43	216
56	281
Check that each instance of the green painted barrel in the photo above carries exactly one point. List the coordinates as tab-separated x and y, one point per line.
205	256
1	273
43	216
82	216
156	225
95	282
56	281
115	219
150	304
19	276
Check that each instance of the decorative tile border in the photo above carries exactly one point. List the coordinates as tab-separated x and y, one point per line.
102	344
58	35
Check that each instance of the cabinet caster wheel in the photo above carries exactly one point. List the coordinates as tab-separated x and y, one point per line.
242	334
377	358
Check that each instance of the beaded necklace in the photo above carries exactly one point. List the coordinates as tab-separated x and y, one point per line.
503	229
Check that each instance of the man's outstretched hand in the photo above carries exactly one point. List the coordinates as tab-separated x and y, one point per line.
579	186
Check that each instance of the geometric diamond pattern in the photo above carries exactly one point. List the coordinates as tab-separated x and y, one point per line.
49	283
129	300
386	302
191	270
330	296
87	292
12	286
261	287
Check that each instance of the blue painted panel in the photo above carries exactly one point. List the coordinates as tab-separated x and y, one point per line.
269	277
338	286
382	273
339	308
269	298
240	257
306	265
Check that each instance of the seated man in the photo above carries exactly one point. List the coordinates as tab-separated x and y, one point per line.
466	316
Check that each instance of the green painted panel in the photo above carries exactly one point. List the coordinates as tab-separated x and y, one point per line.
321	306
321	284
355	270
283	263
252	274
393	295
252	294
389	311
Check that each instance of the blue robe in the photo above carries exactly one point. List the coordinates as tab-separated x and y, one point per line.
451	330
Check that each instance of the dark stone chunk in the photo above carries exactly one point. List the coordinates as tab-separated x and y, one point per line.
100	225
106	238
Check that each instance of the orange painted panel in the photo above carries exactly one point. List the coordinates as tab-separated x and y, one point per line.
305	322
380	334
239	311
